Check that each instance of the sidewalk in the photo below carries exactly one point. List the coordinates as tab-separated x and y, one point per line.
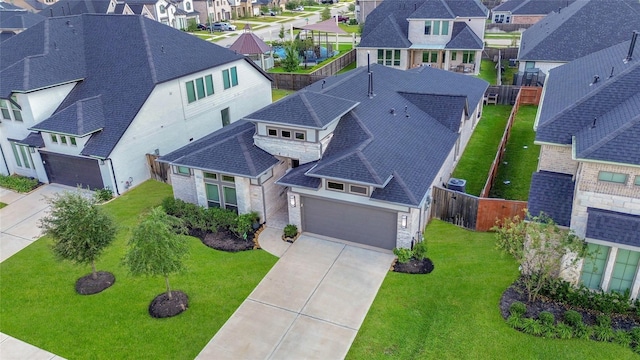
18	229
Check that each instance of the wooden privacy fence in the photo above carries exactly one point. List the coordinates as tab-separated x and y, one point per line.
472	212
505	53
507	94
295	81
159	171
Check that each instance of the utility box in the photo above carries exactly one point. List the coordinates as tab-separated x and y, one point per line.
457	184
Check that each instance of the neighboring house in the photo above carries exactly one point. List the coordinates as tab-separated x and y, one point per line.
526	11
364	8
445	34
212	10
31	5
588	176
584	27
353	156
84	98
14	19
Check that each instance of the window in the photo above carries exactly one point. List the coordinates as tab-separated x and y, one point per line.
22	155
182	170
226	118
360	190
593	269
199	88
529	64
188	5
272	132
299	135
335	186
54	138
211	176
436	27
15	154
213	196
637	180
468	57
454	54
4	108
228	178
162	9
72	140
63	140
612	177
285	134
230	77
624	270
230	199
17	115
6	114
429	56
389	57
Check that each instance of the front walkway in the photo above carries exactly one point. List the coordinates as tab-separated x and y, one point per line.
309	306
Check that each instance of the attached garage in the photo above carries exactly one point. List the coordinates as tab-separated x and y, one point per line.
72	170
358	223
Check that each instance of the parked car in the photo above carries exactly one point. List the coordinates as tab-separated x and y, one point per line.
299	8
330	1
342	19
223	26
204	27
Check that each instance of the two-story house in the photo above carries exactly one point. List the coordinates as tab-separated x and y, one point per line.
14	19
352	157
525	11
445	34
588	177
213	10
84	98
571	34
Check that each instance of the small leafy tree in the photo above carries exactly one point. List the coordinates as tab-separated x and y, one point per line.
542	249
80	229
264	9
325	14
156	247
281	33
192	25
291	5
352	7
291	61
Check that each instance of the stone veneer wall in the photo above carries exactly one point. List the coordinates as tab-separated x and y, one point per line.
274	195
304	151
184	188
557	159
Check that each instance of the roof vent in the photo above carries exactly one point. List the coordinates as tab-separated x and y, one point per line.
593	123
406	111
632	46
611	75
392	111
595	79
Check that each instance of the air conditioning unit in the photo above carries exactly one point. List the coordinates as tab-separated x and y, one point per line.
457	184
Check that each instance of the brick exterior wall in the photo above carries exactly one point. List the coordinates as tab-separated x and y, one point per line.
557	159
184	188
588	180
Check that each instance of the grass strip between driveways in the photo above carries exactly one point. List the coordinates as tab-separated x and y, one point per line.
40	306
453	313
521	158
482	147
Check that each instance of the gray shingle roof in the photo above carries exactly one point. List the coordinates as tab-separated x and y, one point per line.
613	226
142	53
297	177
304	109
76	7
462	37
552	194
387	25
81	118
584	27
18	18
229	150
573	101
399	155
33	139
532	7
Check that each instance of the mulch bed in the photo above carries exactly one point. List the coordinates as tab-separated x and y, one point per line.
87	285
414	266
163	307
516	292
225	240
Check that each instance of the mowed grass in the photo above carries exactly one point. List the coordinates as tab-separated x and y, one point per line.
482	147
40	306
520	158
277	94
453	313
488	71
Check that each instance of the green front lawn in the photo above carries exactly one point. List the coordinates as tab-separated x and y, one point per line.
479	154
40	306
521	158
453	312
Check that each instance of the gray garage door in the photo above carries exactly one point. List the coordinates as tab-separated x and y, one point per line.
72	170
361	224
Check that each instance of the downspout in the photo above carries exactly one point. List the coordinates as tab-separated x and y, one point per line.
4	159
113	172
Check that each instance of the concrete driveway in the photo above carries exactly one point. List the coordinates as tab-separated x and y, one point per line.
309	306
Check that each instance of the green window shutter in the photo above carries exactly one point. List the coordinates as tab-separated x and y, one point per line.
209	82
191	92
200	88
445	28
234	76
593	269
225	79
436	28
15	154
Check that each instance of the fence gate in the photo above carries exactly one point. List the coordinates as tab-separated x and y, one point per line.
454	207
159	171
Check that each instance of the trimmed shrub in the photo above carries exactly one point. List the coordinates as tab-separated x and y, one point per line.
603	320
517	308
603	333
290	231
564	331
622	337
532	326
242	225
404	255
546	318
582	331
103	195
515	321
420	250
635	335
18	183
572	318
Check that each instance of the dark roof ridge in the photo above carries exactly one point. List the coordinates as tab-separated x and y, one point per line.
220	141
80	113
370	168
445	4
404	187
603	85
245	152
312	111
365	129
147	47
605	139
396	26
